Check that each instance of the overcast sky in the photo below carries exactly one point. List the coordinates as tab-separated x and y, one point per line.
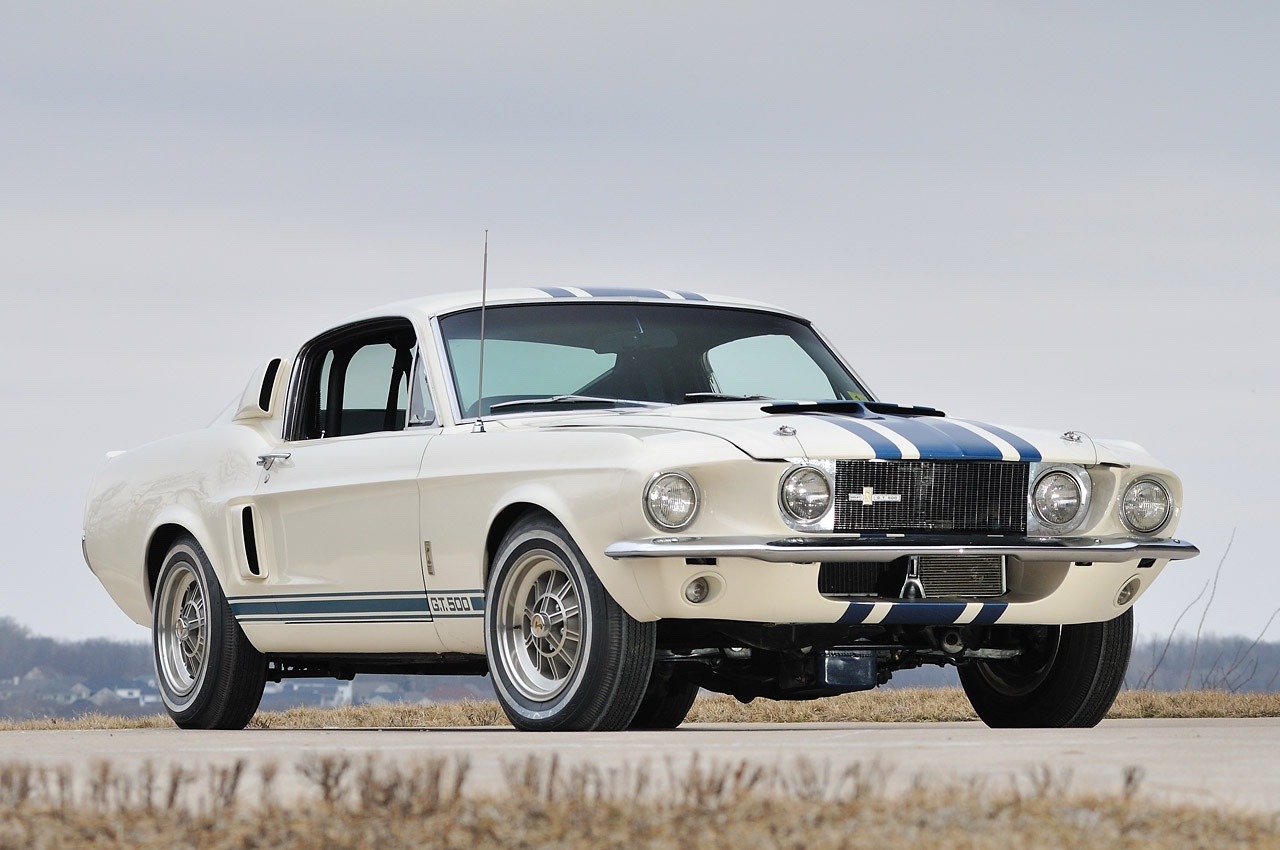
1064	219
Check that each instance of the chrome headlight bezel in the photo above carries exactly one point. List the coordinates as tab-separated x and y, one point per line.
825	521
1123	502
1037	523
671	476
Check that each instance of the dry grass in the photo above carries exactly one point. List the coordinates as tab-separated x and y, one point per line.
906	705
724	805
1136	704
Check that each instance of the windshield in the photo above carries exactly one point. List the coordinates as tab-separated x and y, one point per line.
544	356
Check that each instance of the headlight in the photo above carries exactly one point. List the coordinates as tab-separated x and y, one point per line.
1146	506
806	494
1057	498
671	501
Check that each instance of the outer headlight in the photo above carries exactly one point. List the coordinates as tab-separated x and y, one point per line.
671	501
805	494
1057	498
1146	506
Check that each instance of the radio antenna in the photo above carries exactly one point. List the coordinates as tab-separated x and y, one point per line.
478	428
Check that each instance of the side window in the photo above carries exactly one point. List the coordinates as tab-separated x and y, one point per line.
354	381
774	366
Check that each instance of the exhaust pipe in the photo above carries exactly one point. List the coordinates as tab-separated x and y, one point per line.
952	643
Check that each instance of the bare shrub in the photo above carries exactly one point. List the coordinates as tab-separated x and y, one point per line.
327	772
549	804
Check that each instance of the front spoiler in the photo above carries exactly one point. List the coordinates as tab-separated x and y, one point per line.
805	550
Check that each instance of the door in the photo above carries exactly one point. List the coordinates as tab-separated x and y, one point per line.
339	502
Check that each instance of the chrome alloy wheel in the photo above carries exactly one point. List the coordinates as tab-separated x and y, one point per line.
540	625
182	629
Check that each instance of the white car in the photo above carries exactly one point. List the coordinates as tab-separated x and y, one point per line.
650	492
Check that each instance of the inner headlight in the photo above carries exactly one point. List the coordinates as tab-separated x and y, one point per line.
671	501
1057	498
1146	505
806	494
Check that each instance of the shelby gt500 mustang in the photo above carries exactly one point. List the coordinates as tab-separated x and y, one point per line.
607	499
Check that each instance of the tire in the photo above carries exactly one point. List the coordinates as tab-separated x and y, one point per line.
1067	677
666	701
208	674
564	656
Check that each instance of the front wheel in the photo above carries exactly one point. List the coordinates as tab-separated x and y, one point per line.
666	701
563	654
208	674
1067	676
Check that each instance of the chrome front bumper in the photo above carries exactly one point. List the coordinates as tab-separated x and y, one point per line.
805	550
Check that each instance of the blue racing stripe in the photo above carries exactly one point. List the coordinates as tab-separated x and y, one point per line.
884	448
932	443
924	613
856	613
974	445
624	292
557	292
1026	451
990	612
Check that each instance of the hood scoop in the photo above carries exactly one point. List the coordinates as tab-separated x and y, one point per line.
856	409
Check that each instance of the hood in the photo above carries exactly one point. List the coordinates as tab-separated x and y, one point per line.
855	431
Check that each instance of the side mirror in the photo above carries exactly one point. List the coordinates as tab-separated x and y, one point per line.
262	395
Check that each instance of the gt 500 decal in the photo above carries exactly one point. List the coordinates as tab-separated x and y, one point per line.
456	604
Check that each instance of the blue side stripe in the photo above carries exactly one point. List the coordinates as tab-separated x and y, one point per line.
624	292
690	296
880	444
1027	451
557	292
355	593
331	606
294	619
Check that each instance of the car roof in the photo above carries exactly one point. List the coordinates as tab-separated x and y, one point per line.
428	307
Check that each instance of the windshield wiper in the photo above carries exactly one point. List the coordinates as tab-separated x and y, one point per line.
574	399
724	397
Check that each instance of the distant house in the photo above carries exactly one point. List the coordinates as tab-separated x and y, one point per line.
124	690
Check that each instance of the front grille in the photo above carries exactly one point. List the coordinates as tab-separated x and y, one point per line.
927	495
962	575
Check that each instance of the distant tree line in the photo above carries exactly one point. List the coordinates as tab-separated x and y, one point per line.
20	651
1211	663
1235	664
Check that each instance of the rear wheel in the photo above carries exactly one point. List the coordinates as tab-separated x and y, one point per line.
208	674
1066	676
563	654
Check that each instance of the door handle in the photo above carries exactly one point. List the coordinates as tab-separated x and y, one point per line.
267	458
